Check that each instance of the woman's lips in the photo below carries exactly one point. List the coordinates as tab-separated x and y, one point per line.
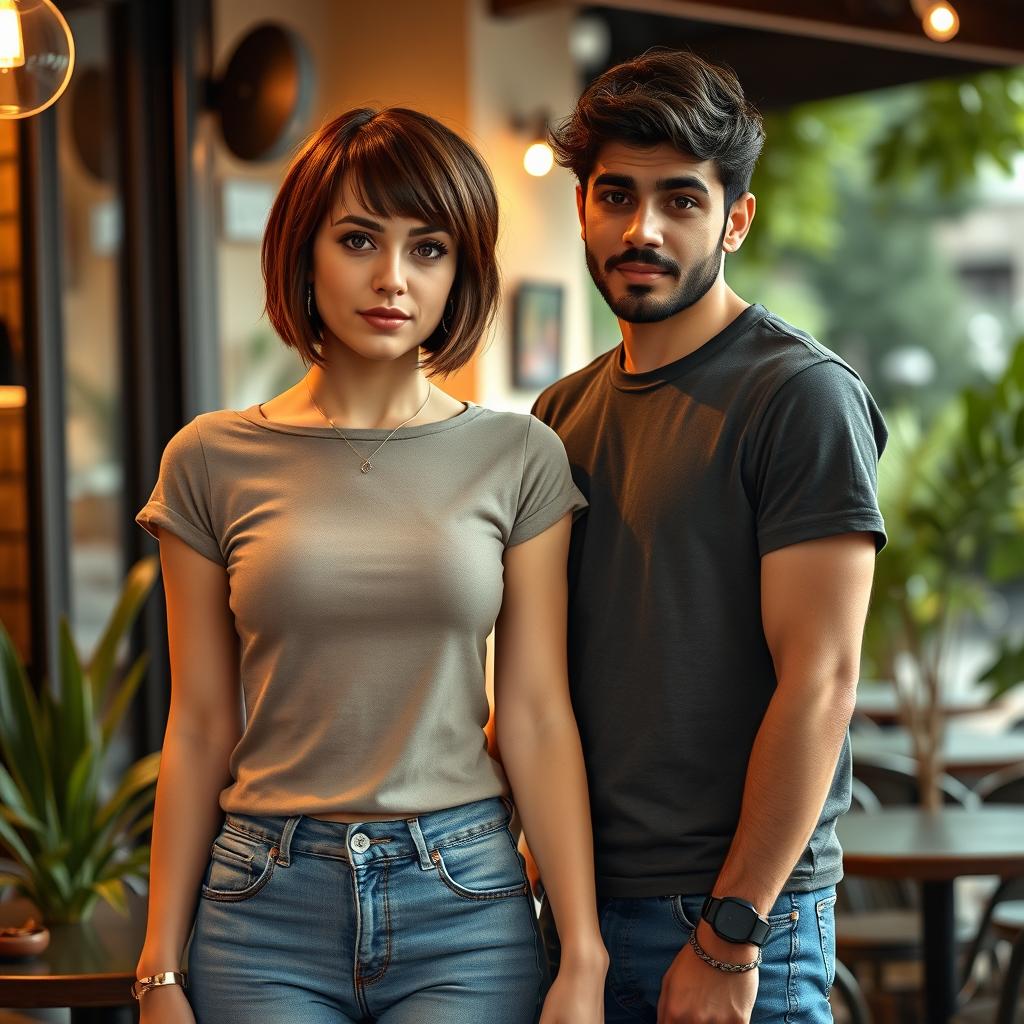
384	323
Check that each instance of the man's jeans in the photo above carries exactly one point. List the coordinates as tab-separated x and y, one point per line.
644	936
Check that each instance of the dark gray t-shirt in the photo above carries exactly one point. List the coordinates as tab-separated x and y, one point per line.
760	439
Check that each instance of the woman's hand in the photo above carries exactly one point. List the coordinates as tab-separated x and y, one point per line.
165	1005
577	994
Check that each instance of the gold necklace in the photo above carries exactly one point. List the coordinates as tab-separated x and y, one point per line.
367	465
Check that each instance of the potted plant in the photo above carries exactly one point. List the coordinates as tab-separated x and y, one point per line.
69	839
953	500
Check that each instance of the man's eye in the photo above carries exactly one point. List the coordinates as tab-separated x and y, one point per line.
615	198
683	203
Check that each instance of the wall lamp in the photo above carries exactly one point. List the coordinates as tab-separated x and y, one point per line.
37	56
538	158
938	19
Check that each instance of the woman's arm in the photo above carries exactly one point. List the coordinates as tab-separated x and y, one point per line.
540	749
203	726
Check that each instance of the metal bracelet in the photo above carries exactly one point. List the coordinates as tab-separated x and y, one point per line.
143	985
720	965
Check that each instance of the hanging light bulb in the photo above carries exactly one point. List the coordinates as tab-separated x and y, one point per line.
37	56
12	45
538	159
939	20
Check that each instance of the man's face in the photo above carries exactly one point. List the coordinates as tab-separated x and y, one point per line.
653	223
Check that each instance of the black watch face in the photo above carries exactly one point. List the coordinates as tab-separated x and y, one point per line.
733	919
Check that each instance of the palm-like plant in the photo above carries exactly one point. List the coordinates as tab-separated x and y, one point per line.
953	501
71	842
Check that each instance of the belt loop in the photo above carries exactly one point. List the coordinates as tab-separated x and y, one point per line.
284	846
426	864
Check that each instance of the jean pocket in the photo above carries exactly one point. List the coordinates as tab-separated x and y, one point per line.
686	911
240	866
825	911
483	867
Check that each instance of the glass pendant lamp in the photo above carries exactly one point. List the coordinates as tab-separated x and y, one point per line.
37	56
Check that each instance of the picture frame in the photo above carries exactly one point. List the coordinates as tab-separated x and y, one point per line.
537	334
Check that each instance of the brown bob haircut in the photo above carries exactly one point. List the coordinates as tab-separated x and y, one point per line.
400	163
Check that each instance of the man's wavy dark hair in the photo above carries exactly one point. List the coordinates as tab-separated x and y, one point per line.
668	96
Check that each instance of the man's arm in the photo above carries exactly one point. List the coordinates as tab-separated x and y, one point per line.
814	598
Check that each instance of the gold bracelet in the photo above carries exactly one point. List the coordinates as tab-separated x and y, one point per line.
720	965
143	985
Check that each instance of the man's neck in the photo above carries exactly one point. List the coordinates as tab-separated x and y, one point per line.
649	346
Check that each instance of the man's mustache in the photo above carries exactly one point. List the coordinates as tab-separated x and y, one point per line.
643	256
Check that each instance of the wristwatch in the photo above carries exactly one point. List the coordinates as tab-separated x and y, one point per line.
735	920
143	985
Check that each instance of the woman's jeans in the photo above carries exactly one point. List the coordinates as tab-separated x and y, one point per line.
402	922
644	936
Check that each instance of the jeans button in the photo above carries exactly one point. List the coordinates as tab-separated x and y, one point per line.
360	843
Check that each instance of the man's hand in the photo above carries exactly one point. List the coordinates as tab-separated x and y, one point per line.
693	992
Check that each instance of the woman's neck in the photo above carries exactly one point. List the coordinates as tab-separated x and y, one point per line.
369	396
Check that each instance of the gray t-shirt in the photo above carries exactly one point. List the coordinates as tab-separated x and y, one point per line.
362	601
759	439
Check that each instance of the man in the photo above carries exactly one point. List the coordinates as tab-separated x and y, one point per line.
720	580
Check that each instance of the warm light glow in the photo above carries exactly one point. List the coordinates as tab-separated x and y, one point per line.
538	159
12	396
12	46
37	56
941	22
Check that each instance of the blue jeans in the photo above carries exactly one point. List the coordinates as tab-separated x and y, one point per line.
644	936
401	922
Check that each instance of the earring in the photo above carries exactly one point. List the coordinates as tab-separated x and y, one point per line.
314	316
449	312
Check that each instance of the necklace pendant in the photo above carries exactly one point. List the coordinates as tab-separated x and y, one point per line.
366	467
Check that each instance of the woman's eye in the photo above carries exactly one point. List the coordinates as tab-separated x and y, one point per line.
431	250
358	242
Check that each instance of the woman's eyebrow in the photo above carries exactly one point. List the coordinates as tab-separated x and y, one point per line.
372	225
363	222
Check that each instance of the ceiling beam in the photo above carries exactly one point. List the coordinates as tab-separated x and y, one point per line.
984	35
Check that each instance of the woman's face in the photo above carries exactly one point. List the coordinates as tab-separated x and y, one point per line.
380	284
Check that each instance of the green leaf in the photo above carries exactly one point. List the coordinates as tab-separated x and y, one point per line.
123	698
20	739
112	890
74	724
11	839
1006	672
140	775
136	589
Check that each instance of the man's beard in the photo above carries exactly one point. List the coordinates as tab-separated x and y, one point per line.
637	306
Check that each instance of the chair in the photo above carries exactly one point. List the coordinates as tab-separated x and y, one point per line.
893	779
880	920
847	993
1005	786
1008	924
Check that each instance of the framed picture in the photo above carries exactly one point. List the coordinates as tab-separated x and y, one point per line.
536	335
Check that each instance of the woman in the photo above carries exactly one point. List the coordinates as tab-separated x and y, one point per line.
344	550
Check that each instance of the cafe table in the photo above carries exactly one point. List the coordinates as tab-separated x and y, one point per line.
882	705
88	967
934	849
964	751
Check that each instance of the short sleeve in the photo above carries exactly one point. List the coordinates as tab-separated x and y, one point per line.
180	502
815	460
547	491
